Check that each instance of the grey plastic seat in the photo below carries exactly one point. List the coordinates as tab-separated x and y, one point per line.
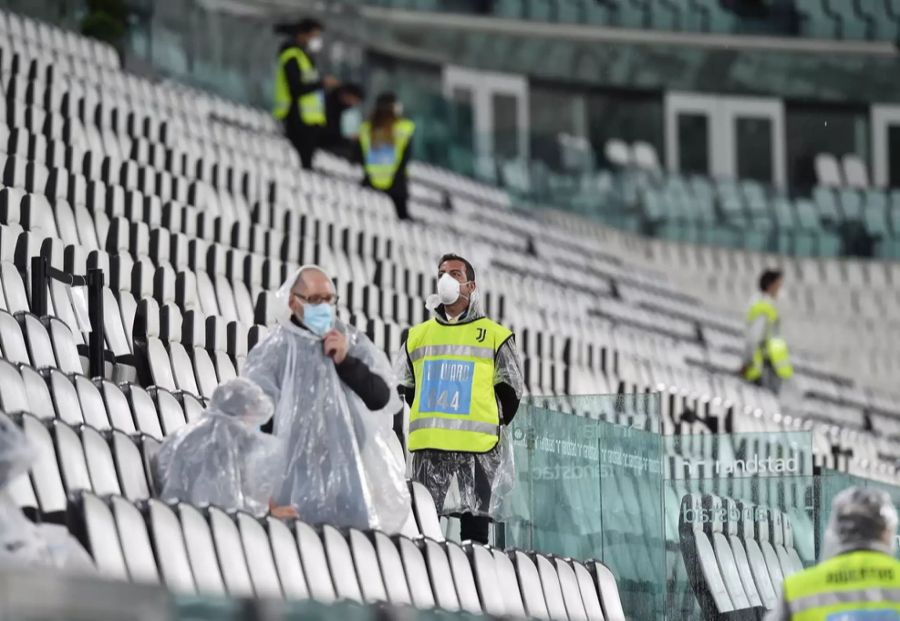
100	537
484	568
416	572
258	553
608	589
552	590
340	560
368	569
443	579
45	475
795	563
40	402
426	513
508	581
169	545
72	463
65	397
93	409
571	591
129	467
715	530
764	537
13	396
700	559
136	545
761	576
201	551
100	464
40	349
391	569
232	560
589	597
740	554
117	408
776	527
287	560
171	415
315	564
11	339
530	586
143	410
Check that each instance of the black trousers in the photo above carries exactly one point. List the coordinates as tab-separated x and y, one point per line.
305	139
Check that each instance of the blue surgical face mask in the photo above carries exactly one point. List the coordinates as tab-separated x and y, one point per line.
318	318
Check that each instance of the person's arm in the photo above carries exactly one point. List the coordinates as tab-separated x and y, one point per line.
368	386
508	380
296	85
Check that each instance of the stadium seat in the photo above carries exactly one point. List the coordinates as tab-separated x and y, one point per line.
732	524
169	546
98	534
715	531
287	560
230	552
136	547
315	564
260	561
761	575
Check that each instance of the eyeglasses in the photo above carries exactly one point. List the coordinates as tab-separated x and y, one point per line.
325	299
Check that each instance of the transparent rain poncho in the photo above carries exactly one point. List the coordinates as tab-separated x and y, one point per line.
23	543
340	467
861	519
474	483
223	459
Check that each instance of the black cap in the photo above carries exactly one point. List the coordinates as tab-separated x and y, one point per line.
302	26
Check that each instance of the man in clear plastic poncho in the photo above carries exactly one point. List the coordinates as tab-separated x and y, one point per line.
23	543
858	578
223	459
461	376
335	398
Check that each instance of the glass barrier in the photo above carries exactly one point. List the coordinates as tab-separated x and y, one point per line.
590	489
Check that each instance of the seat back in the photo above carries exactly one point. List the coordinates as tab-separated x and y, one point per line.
796	563
287	560
589	597
130	467
168	543
740	554
776	528
45	474
13	396
368	571
136	546
117	408
231	554
201	551
100	463
395	582
714	528
72	462
700	558
764	536
340	561
571	591
260	561
485	569
426	514
443	577
92	407
417	574
100	537
609	591
315	565
530	586
761	577
553	595
509	585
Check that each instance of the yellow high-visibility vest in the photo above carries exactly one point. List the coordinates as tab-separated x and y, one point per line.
857	585
311	105
774	348
455	407
382	162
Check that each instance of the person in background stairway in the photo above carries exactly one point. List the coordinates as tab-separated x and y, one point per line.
300	90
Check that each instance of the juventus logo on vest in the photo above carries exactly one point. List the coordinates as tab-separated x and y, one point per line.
482	333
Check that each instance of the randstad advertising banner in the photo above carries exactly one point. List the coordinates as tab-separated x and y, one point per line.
739	455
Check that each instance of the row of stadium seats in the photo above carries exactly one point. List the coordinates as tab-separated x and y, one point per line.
828	19
211	552
737	554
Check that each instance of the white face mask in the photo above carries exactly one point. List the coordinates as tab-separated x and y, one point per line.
448	289
315	45
398	109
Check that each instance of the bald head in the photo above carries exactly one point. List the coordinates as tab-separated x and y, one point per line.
312	286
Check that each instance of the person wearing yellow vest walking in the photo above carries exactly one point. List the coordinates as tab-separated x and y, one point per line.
767	362
859	578
384	150
300	90
460	373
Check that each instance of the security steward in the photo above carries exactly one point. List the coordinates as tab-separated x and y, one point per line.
299	90
860	578
384	151
462	379
767	362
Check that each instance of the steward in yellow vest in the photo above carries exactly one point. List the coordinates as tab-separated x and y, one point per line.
463	381
300	90
860	578
766	358
384	150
